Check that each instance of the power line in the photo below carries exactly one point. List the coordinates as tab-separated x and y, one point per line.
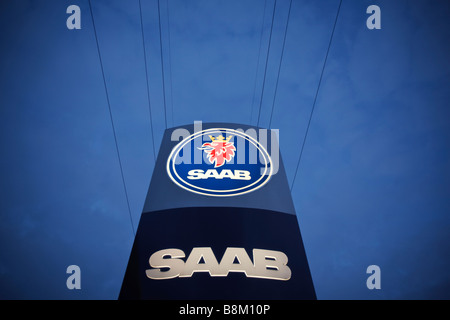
281	61
146	77
111	117
257	63
267	60
162	65
170	61
317	92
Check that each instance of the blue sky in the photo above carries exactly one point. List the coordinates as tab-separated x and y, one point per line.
373	183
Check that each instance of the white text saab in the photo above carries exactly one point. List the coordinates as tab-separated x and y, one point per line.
213	173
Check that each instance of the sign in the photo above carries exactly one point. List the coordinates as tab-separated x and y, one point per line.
233	163
218	221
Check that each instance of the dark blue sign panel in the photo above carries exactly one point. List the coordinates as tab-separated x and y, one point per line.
218	222
212	232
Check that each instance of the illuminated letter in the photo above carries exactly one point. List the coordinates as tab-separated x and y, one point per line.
211	173
242	175
226	173
244	263
74	21
158	260
193	262
195	174
271	265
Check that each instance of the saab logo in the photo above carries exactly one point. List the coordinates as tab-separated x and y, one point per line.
219	150
267	264
230	163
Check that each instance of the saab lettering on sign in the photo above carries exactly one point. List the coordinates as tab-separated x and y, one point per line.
267	264
217	173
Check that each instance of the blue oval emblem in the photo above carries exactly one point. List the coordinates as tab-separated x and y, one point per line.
219	162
